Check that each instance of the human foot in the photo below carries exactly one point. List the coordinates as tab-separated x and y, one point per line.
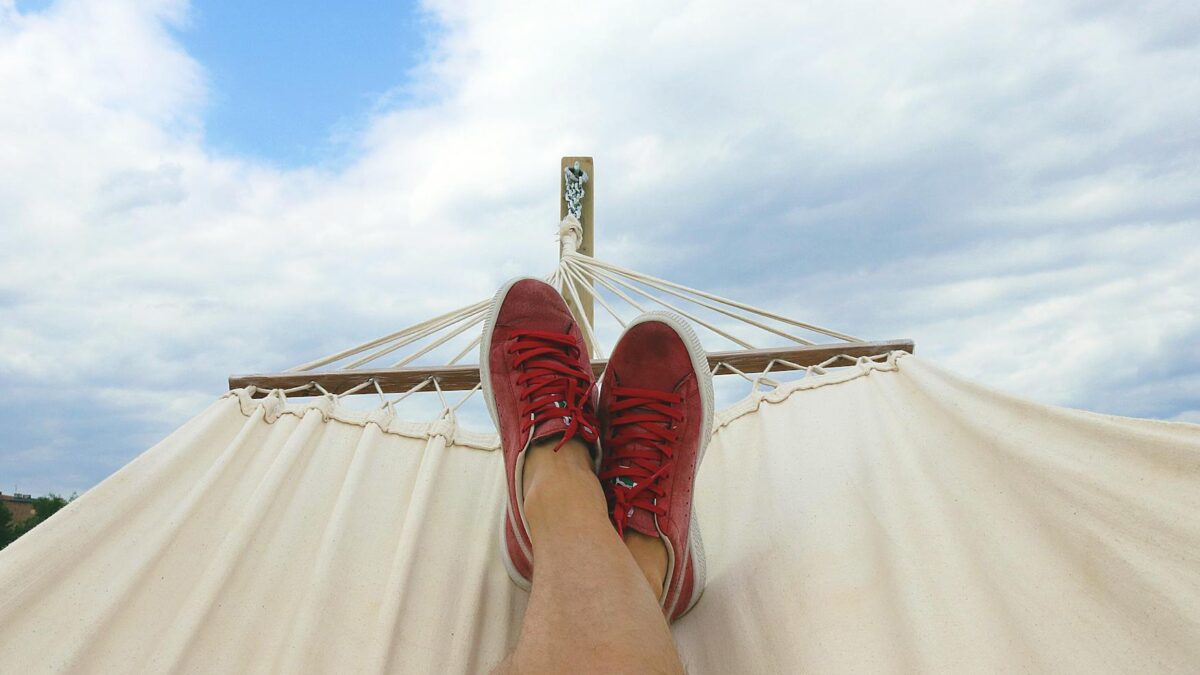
655	416
537	381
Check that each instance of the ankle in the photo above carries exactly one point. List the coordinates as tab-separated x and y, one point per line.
553	480
650	554
544	463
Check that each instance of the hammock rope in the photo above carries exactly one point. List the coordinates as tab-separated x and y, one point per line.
590	275
579	278
449	410
682	312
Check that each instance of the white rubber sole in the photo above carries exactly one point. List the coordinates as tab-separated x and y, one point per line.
699	358
485	379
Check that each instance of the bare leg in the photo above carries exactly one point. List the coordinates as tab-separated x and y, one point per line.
651	556
590	609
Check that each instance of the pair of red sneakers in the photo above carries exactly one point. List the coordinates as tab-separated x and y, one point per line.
647	426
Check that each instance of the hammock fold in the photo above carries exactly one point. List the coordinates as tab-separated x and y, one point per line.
887	517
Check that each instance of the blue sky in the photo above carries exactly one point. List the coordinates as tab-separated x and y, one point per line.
290	80
191	190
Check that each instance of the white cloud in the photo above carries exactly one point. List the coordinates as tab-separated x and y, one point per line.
1013	185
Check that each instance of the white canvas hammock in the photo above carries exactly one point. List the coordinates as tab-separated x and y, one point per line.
886	517
876	515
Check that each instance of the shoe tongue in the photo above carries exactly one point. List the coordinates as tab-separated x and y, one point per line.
636	518
642	521
556	427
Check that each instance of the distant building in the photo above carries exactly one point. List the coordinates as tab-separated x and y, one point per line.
19	505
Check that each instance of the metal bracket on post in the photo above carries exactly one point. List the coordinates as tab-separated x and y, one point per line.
577	183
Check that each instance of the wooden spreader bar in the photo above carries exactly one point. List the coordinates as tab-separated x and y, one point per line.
396	380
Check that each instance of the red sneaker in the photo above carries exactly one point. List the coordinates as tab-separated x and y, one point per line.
537	381
656	407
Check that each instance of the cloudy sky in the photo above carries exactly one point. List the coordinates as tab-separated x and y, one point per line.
191	190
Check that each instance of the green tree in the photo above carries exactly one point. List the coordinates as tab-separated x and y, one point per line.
47	506
43	508
7	531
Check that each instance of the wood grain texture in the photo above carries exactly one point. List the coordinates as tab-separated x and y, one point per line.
458	378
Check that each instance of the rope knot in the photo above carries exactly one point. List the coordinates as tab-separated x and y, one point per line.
570	234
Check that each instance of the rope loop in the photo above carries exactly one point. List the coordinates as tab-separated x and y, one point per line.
570	234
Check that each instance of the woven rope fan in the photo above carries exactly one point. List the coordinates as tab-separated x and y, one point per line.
739	332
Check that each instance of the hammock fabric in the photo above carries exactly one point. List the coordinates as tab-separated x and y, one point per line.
888	517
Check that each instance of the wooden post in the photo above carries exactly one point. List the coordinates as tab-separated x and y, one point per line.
587	219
